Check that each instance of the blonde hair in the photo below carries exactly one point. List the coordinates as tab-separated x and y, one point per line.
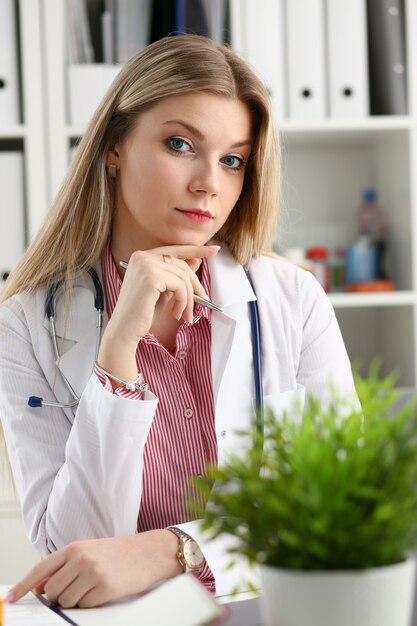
78	224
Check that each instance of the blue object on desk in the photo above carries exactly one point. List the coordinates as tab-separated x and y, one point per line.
55	608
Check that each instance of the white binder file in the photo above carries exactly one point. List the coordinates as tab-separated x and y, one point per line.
12	222
262	45
9	79
347	58
306	58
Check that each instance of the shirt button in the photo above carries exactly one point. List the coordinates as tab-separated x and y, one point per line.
182	354
188	413
223	434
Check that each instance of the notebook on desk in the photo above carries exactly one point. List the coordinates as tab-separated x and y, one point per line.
182	601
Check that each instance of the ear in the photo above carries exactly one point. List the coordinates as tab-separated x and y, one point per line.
112	157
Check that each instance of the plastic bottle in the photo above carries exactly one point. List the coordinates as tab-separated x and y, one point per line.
360	262
337	269
319	258
372	228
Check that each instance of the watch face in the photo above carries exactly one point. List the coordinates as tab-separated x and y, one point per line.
193	555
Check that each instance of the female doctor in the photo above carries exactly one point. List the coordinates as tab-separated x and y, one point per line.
179	159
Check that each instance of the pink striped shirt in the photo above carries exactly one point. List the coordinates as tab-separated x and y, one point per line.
182	437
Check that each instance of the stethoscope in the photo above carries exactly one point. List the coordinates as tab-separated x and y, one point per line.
50	309
36	401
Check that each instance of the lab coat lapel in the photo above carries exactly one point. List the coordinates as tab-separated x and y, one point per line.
231	357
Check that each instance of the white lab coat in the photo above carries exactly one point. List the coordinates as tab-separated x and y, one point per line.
78	472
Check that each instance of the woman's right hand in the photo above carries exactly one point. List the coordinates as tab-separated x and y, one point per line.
151	287
90	572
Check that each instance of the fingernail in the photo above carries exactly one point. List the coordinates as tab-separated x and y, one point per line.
215	247
9	596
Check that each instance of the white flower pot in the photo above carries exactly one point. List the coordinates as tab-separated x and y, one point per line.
381	596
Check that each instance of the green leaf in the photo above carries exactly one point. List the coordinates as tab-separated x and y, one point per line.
336	490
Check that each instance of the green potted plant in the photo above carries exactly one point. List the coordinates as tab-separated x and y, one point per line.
327	506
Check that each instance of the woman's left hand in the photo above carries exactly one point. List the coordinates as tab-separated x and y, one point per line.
91	572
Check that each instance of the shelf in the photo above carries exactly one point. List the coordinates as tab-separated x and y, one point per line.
19	131
74	132
380	299
329	125
346	131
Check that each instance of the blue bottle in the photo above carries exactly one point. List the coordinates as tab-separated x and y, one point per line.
372	228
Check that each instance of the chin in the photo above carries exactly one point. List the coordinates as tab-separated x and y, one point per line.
190	240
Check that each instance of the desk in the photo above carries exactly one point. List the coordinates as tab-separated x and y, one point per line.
244	611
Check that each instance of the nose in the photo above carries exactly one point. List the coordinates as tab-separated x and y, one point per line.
205	178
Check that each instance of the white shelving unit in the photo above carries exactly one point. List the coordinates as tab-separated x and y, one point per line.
326	164
27	137
30	134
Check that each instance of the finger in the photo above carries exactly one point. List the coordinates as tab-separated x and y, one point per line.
187	252
177	266
183	307
193	264
180	269
37	575
41	587
95	597
75	592
61	580
188	275
183	304
179	299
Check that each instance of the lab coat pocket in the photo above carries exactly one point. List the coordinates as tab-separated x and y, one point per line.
289	403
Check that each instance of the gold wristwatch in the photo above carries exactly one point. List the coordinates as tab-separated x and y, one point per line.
188	552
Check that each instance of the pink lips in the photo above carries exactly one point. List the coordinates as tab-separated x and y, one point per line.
199	216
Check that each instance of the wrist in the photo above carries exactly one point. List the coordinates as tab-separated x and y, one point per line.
171	543
117	337
161	547
137	385
118	357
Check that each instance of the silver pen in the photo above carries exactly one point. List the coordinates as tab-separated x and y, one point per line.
197	299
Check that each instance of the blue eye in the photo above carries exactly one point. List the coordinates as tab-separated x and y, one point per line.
233	162
178	144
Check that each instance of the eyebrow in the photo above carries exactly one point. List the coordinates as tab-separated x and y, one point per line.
200	136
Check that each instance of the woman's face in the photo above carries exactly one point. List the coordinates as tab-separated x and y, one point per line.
180	171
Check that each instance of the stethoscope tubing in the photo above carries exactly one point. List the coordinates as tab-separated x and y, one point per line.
257	362
35	401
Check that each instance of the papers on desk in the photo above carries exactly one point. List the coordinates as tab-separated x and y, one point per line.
28	611
181	601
